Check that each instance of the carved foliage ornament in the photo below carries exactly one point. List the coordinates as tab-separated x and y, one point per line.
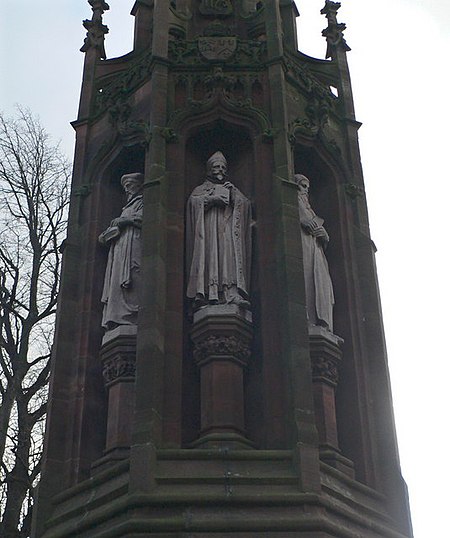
321	104
115	89
232	90
131	131
121	367
325	368
225	346
193	53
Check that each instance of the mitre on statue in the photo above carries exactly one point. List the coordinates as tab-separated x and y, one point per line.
218	156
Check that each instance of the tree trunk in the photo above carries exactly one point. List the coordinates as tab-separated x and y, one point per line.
17	481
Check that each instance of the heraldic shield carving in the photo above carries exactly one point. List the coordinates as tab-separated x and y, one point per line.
217	48
216	7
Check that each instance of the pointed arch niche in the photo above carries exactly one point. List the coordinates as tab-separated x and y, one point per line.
250	168
237	146
330	202
110	195
99	208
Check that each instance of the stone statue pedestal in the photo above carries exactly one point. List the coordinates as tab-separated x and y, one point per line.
326	355
118	357
222	336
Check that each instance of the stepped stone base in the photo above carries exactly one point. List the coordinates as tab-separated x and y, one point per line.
216	493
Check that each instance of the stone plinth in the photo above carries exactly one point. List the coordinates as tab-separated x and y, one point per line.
222	336
326	355
118	356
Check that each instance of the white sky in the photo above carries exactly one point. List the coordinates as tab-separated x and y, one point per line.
400	72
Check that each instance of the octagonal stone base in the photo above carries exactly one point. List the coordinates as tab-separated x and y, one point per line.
222	336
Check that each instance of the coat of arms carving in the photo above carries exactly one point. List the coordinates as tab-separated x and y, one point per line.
217	48
216	7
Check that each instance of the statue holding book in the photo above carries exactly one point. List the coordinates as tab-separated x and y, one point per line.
121	286
318	285
218	240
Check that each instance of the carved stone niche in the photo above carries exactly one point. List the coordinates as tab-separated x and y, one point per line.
326	355
118	357
222	336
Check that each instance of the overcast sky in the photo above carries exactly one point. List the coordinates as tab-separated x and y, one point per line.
400	71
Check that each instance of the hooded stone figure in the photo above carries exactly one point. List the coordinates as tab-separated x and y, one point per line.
319	288
122	276
218	240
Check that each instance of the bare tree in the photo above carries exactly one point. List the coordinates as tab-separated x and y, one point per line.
34	179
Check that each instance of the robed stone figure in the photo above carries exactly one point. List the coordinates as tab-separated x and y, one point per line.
218	240
319	288
121	286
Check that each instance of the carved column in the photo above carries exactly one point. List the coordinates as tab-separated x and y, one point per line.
325	358
222	336
118	356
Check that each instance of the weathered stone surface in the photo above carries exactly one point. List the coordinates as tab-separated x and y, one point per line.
222	337
229	422
122	283
218	240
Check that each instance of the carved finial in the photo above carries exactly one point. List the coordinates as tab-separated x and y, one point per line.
334	33
96	30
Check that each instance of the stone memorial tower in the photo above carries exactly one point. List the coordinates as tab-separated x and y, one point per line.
219	366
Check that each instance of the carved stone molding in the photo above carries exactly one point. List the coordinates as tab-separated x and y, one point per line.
130	131
326	356
325	369
116	89
222	332
121	367
353	191
222	347
222	336
321	106
217	87
118	355
219	79
302	76
169	135
246	53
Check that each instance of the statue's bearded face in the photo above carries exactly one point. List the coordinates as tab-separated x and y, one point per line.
218	171
303	183
131	187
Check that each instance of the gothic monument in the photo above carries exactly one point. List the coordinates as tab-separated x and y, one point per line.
219	367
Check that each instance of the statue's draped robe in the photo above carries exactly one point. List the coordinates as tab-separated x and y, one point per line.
319	288
218	243
122	276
